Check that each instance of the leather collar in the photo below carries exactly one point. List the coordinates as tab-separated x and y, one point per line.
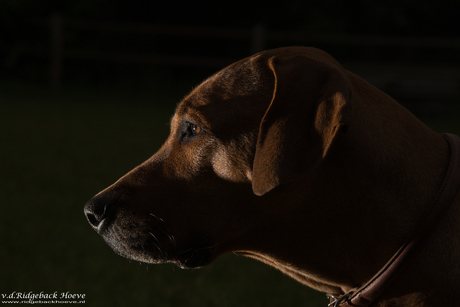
450	189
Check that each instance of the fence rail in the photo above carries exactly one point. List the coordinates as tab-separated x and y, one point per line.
258	32
253	39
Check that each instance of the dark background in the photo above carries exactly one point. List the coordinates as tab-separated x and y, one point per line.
87	89
102	43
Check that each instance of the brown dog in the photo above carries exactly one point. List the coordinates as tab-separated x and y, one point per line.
288	158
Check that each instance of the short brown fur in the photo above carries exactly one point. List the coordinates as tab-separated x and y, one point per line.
300	164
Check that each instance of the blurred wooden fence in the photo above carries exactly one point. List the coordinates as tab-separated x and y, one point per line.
58	26
434	80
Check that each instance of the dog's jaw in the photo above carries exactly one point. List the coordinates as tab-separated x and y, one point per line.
152	242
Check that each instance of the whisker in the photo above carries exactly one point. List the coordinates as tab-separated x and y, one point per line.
207	247
155	243
164	231
154	237
158	247
171	238
158	218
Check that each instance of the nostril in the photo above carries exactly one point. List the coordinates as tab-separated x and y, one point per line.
93	220
95	211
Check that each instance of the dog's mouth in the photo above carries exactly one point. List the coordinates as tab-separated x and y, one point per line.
156	244
154	253
195	257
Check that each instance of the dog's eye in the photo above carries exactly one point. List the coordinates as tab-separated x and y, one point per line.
194	129
189	131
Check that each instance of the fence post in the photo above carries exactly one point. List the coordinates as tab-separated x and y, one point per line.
57	37
258	37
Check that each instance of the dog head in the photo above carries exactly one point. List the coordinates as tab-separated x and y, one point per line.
238	146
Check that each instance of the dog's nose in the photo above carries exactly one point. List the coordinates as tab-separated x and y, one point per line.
96	211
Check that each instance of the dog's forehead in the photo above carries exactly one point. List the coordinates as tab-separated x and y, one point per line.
245	78
227	88
245	86
248	67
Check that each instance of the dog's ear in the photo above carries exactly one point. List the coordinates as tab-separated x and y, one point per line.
308	109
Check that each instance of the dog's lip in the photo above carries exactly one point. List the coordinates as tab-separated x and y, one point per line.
157	244
195	257
191	258
149	250
144	250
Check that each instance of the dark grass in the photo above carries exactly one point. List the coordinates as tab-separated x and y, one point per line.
58	150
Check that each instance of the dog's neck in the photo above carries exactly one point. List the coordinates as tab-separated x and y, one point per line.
395	181
374	204
417	242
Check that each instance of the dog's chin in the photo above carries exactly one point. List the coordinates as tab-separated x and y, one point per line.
142	252
194	258
195	254
189	259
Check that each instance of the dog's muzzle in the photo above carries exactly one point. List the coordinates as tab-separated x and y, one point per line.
144	237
